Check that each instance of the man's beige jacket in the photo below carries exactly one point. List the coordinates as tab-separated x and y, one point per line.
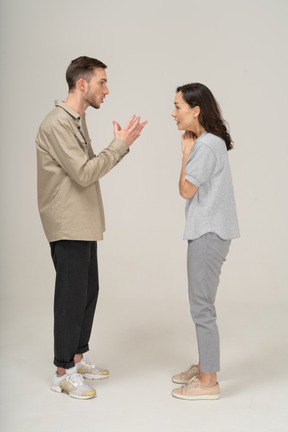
69	196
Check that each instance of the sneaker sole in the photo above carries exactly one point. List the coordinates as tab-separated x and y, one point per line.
176	381
95	377
58	389
179	381
203	397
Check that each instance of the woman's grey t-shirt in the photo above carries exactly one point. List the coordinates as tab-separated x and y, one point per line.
212	209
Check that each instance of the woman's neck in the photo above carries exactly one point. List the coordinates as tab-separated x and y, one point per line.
199	131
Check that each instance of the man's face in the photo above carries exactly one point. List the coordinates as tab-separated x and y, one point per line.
96	88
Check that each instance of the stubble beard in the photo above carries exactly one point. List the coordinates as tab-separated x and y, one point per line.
92	102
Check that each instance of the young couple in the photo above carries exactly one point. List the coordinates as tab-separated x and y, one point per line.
71	211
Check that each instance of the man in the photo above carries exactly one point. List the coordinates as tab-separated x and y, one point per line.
72	215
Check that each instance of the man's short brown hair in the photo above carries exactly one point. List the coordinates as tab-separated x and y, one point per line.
81	67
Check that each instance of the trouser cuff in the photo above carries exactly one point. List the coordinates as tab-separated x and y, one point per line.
82	350
64	365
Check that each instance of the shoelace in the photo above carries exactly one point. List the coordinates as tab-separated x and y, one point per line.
88	363
76	379
190	368
194	382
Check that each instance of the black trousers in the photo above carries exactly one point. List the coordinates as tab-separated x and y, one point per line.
76	293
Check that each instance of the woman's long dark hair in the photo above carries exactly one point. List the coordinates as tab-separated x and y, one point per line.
210	117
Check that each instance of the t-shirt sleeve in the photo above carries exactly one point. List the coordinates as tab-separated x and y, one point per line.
200	165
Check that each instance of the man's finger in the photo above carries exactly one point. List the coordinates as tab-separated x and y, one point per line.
136	129
143	124
117	127
130	122
135	124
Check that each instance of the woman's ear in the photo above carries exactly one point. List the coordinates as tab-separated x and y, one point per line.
196	111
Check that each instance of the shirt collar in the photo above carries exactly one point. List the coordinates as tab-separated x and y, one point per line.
68	109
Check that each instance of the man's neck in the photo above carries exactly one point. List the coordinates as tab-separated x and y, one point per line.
76	103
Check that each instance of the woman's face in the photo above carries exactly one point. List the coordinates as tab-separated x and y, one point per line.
185	116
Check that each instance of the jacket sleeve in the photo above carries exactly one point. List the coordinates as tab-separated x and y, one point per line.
65	149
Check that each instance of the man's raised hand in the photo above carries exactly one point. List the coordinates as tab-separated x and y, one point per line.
131	131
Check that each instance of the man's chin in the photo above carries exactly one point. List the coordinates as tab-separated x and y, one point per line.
95	106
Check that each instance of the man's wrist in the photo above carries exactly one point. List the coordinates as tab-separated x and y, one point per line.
120	145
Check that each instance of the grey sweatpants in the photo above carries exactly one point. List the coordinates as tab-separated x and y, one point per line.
204	261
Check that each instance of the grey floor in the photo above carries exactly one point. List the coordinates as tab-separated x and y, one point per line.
143	345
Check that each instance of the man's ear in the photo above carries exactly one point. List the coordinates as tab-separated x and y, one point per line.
81	84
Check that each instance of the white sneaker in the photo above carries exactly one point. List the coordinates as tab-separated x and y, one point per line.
73	384
89	370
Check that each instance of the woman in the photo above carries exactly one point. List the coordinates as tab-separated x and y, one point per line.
211	223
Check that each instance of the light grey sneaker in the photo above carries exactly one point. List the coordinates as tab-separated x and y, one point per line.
72	383
89	370
187	375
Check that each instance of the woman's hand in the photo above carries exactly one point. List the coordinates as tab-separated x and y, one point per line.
188	140
187	190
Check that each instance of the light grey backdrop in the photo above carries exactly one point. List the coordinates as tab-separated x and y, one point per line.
143	330
238	49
